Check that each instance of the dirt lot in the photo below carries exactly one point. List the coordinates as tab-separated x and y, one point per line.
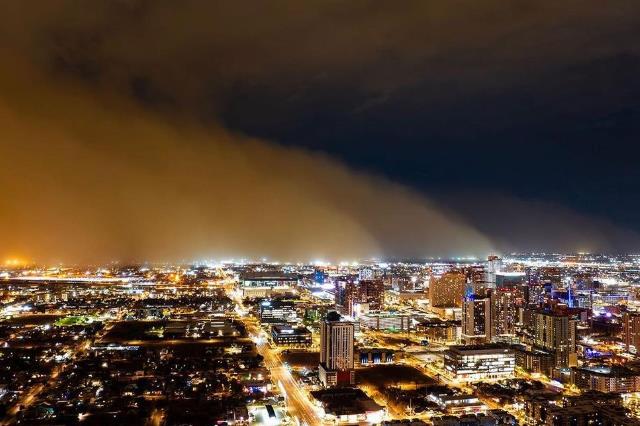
35	319
301	358
382	376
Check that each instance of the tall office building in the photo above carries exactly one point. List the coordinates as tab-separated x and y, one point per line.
448	290
476	320
556	333
631	330
336	351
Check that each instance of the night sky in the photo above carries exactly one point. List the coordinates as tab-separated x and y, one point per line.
514	123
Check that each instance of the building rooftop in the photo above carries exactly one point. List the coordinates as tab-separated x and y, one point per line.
268	275
286	329
345	401
609	371
489	347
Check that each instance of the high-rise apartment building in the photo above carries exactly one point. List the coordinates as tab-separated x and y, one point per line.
476	320
368	274
556	333
631	330
504	312
535	293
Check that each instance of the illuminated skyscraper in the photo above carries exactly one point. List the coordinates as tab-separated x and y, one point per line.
494	265
336	351
535	293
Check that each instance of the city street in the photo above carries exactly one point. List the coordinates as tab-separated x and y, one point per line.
298	403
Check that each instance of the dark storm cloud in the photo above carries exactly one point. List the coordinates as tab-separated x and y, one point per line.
121	180
198	50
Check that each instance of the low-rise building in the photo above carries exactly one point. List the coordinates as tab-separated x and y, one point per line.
266	284
491	418
278	312
591	408
534	360
375	356
348	406
440	331
604	378
479	362
459	404
286	335
390	320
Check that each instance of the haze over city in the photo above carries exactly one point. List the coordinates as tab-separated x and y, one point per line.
146	131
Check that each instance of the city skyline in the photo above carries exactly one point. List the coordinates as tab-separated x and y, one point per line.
553	338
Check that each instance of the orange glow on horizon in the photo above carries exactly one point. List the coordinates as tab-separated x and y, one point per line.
15	262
